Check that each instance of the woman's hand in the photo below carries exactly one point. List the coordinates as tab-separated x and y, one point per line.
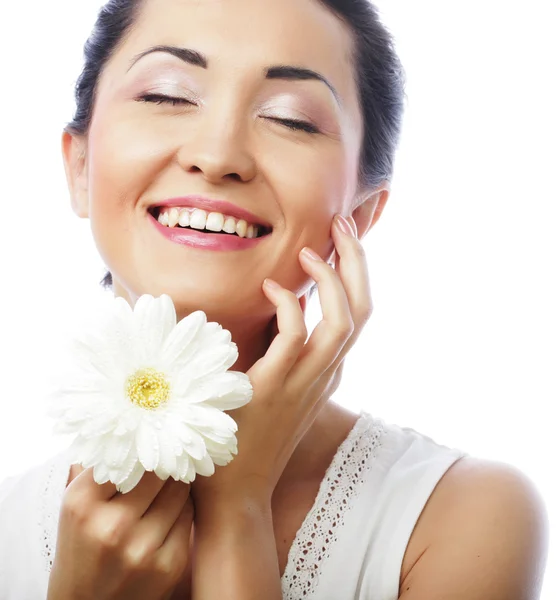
294	380
121	546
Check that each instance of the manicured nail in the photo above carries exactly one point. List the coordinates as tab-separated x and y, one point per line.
344	226
310	254
271	284
353	226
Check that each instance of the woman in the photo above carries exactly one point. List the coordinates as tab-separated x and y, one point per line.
289	111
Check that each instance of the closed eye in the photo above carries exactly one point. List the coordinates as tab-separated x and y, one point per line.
295	124
290	123
162	99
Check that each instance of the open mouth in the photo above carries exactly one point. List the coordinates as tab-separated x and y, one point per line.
202	221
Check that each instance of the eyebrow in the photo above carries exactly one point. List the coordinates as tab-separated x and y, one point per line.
286	72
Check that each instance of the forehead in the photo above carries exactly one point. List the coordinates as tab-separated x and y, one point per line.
239	35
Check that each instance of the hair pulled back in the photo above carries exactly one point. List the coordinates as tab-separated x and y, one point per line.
380	79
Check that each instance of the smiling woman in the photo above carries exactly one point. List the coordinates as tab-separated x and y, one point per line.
324	124
225	153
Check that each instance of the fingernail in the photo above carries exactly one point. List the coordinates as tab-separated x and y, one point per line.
344	226
271	284
353	226
310	254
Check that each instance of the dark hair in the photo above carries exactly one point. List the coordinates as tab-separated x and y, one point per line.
379	73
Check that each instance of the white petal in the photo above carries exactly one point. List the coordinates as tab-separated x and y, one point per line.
221	454
214	336
121	308
162	473
126	468
209	421
111	340
101	473
181	343
167	457
105	352
86	398
61	428
154	320
189	438
184	464
92	360
116	449
132	480
80	414
205	467
225	391
208	362
98	426
86	452
120	335
147	445
188	475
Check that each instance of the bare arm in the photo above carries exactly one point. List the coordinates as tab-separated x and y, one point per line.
235	556
492	542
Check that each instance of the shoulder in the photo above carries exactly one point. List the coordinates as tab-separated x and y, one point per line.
484	535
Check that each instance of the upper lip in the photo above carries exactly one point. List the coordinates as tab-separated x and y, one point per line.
212	205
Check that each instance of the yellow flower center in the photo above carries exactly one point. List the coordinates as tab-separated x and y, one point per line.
148	388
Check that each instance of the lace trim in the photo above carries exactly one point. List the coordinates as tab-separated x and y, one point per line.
339	487
53	487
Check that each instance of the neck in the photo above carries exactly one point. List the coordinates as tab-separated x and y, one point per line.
252	333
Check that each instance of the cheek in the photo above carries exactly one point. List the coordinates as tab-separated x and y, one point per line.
125	158
313	186
314	178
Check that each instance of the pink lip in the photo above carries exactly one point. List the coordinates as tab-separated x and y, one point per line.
205	241
220	206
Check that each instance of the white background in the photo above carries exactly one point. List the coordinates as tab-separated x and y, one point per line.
463	344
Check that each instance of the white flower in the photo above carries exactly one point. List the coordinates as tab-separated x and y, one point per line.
148	394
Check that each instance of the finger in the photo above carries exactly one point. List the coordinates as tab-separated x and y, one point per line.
287	345
158	520
178	543
154	526
353	224
354	274
84	486
138	500
336	326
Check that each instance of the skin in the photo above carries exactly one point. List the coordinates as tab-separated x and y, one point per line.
227	146
136	153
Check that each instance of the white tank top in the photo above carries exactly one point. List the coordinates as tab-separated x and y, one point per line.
350	546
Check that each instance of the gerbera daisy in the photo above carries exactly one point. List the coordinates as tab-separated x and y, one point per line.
146	393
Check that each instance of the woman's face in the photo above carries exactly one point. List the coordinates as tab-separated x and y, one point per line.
227	142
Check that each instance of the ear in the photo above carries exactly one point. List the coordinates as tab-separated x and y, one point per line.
370	208
75	165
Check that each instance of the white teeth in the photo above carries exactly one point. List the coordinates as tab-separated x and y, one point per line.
230	225
184	219
242	227
173	217
215	221
198	219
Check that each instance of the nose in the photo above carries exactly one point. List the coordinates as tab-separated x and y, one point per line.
218	149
